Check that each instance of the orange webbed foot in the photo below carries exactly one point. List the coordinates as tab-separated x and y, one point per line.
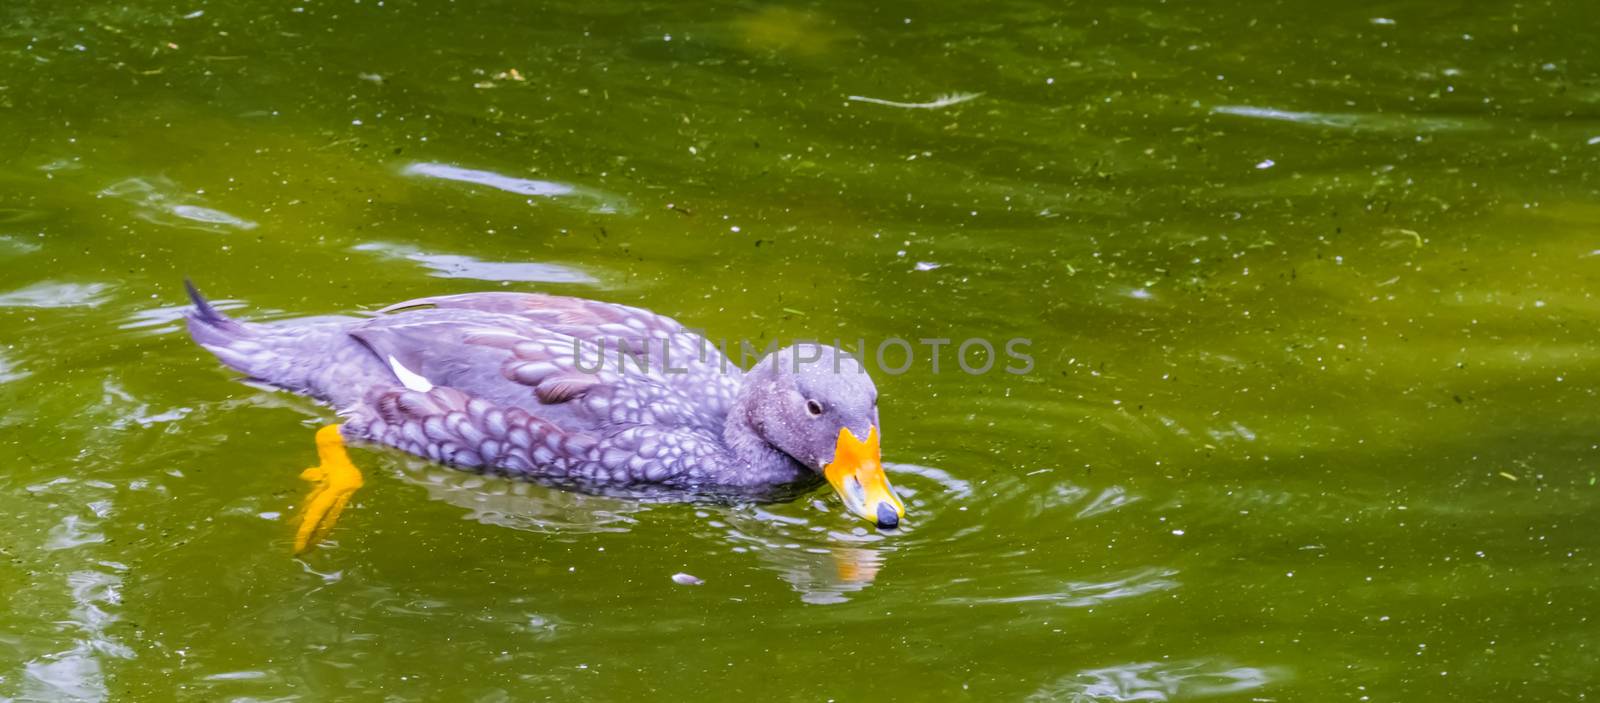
334	480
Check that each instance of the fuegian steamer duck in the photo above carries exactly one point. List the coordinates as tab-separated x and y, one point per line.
519	384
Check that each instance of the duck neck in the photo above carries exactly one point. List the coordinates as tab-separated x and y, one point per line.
766	464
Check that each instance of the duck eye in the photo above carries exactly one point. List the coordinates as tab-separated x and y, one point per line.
814	408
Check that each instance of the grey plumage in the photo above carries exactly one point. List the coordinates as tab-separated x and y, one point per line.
506	382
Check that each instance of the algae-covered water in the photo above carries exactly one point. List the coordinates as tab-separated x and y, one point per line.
1309	287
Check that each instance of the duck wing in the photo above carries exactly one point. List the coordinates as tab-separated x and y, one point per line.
682	358
511	361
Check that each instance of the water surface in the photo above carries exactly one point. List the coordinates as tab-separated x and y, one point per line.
1310	288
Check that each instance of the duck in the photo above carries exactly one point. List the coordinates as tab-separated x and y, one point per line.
583	394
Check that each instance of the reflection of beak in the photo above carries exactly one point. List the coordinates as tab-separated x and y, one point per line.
857	565
857	474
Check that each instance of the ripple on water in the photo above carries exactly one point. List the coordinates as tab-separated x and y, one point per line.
75	672
461	266
1107	500
160	201
521	505
124	410
164	319
1156	681
55	295
950	484
1043	493
822	556
15	246
822	564
72	532
1090	593
12	215
237	676
593	200
9	371
161	319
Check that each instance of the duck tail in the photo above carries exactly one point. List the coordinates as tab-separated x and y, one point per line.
231	340
315	357
204	312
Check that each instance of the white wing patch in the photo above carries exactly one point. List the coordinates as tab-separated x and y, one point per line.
411	379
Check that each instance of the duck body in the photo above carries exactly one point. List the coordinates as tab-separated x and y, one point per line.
529	385
568	390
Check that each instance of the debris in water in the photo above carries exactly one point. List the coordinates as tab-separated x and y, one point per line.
1353	120
927	266
1413	234
941	101
683	579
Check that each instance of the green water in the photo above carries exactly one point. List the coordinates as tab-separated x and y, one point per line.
1310	289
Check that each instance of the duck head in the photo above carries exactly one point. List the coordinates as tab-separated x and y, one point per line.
817	405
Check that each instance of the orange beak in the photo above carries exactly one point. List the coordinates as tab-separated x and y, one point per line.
856	472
